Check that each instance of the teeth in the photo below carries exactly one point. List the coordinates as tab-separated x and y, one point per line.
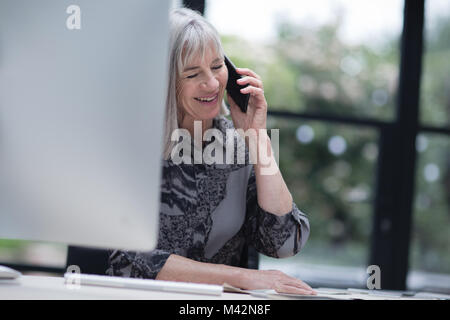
206	99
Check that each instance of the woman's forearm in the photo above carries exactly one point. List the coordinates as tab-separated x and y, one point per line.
273	194
178	268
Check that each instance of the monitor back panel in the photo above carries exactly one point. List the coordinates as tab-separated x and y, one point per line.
82	99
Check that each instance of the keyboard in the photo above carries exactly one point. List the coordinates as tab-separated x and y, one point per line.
142	284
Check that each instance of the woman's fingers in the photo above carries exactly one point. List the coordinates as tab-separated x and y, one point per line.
294	285
278	281
253	91
247	72
251	81
300	286
286	288
304	285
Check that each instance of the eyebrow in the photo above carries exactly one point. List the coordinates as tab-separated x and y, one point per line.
197	67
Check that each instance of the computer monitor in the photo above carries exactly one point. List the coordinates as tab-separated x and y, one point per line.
82	99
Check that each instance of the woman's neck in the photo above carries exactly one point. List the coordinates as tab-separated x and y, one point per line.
188	123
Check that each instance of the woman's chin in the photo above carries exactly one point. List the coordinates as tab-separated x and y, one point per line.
211	113
216	111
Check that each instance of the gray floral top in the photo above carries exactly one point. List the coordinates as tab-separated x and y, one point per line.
208	213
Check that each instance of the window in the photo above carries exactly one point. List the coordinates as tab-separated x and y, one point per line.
330	72
330	171
322	57
430	233
429	257
435	93
33	255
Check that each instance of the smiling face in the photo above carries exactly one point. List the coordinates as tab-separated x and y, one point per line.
201	86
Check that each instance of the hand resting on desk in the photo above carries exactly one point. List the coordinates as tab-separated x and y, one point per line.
178	268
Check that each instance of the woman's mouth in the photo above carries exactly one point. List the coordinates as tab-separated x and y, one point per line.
208	101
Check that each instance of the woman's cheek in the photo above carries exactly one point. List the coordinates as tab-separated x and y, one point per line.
224	78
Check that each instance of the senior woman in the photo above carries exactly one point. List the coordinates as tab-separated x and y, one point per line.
209	212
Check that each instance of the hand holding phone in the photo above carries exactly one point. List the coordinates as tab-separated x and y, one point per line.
234	89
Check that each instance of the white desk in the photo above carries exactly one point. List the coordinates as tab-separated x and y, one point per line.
40	287
51	288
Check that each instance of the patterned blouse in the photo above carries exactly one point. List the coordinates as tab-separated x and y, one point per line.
208	213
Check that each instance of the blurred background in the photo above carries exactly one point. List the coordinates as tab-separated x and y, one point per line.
339	81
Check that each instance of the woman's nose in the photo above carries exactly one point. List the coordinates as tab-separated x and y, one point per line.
210	82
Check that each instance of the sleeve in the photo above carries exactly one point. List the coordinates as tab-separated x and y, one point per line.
270	234
137	264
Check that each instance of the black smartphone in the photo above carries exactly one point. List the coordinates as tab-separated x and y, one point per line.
234	89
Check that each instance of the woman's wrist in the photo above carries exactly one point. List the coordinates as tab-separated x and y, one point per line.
266	163
239	277
259	146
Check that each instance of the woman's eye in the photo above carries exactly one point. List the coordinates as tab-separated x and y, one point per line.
196	74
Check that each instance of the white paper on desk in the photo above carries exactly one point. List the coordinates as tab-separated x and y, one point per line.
332	291
272	294
319	296
264	293
229	288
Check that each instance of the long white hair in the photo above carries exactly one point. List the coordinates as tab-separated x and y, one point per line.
190	35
